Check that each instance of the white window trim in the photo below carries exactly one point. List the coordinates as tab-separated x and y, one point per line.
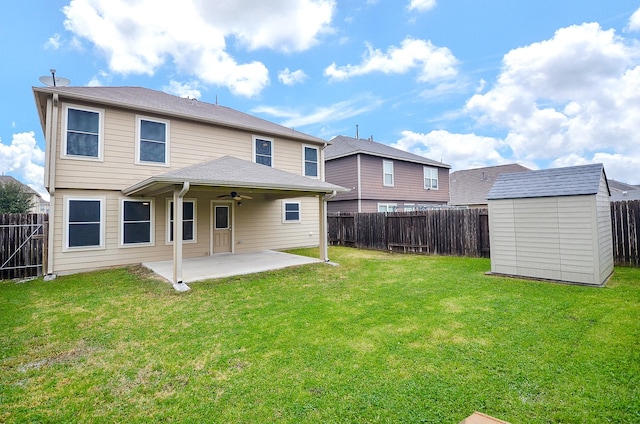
168	240
151	218
424	177
139	119
284	212
387	205
412	206
63	150
384	173
65	242
304	161
273	149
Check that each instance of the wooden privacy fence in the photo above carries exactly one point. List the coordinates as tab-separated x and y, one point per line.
440	231
625	223
22	245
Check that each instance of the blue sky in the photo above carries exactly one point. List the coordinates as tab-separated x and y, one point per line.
471	83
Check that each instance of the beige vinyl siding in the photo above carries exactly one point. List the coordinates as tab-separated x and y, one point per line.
191	143
605	237
259	226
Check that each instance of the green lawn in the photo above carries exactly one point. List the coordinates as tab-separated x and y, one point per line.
380	338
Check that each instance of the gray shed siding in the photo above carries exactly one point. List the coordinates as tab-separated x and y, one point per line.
564	238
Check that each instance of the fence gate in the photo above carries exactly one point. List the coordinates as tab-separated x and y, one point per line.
22	245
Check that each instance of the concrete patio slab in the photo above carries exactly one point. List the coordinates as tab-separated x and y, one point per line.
228	265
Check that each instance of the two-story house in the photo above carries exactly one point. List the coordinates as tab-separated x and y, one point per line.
138	175
383	178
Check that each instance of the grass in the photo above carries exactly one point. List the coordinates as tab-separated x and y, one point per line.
380	338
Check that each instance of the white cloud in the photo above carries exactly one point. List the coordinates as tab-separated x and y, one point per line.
53	42
139	37
461	151
24	160
322	115
288	77
190	90
99	79
434	63
421	5
573	96
634	21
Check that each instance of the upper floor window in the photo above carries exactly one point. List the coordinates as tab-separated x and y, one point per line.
136	222
387	170
152	142
310	161
263	151
82	133
84	222
430	178
188	221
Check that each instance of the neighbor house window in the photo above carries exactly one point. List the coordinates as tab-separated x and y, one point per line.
152	144
409	207
291	212
263	151
136	222
430	178
387	170
310	161
387	207
84	222
188	221
82	133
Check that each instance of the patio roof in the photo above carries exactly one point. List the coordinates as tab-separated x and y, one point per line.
231	172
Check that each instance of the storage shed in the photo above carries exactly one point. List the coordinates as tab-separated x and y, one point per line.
553	224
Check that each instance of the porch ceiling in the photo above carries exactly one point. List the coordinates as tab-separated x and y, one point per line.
232	173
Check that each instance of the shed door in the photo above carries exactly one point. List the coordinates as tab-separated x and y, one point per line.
221	229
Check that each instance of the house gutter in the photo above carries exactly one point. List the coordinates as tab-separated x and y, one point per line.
178	197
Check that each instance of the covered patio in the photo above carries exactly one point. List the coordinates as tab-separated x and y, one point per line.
228	265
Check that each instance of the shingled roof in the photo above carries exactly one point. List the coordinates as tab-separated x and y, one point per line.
570	181
157	102
470	186
232	172
346	146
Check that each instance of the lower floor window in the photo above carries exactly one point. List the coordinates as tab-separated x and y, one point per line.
84	223
387	207
291	212
136	222
188	220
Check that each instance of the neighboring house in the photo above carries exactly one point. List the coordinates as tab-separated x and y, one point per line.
552	224
469	187
622	191
124	164
383	178
38	204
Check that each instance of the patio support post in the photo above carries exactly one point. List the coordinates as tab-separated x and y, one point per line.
178	196
324	250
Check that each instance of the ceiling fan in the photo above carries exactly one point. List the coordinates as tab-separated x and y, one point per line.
235	196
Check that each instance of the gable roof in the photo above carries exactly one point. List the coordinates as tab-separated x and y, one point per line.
622	191
158	102
570	181
231	172
4	179
346	146
470	186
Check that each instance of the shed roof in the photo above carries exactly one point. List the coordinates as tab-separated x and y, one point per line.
232	172
158	102
346	146
570	181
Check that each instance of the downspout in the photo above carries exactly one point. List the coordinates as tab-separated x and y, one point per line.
324	239
178	197
51	138
359	184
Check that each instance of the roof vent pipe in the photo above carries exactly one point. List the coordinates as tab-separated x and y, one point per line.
357	133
